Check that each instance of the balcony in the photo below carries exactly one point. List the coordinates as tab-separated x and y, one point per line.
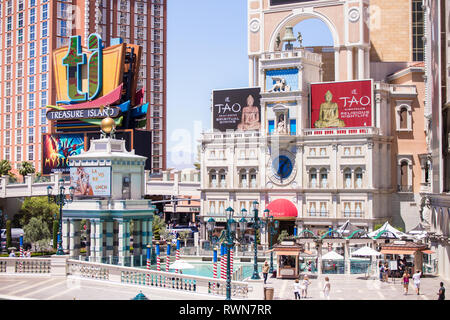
340	131
316	185
315	214
352	214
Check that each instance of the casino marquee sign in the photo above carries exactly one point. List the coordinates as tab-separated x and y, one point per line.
83	113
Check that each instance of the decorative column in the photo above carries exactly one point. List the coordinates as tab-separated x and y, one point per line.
349	63
124	241
93	246
115	238
65	234
74	235
88	238
347	257
109	234
361	63
137	238
336	64
144	234
367	63
319	259
99	241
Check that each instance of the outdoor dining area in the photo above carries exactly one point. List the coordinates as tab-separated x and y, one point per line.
352	250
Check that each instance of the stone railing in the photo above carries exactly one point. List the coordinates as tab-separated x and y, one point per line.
25	265
63	266
151	278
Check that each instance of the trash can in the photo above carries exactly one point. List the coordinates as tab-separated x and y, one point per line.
268	293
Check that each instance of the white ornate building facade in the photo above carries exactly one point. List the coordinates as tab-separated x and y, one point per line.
318	178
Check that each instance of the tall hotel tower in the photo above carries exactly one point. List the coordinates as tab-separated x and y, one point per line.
29	32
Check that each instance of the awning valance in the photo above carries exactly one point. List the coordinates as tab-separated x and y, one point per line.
397	251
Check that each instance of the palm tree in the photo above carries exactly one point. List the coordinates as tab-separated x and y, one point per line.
5	167
26	168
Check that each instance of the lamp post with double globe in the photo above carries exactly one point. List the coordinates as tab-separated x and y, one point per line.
257	224
272	229
228	236
60	199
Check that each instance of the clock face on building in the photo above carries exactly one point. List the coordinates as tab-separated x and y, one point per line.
282	168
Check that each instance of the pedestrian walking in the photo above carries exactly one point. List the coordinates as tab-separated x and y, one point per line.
265	271
405	282
416	281
381	271
297	289
326	288
305	285
441	292
386	272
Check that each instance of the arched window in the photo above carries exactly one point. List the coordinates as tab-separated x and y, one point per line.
243	178
347	211
312	209
323	209
253	178
212	207
358	178
313	178
213	178
358	209
323	178
347	178
404	175
222	178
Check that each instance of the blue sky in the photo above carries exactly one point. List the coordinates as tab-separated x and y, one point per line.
207	50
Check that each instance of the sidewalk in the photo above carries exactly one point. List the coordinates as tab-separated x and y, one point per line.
356	287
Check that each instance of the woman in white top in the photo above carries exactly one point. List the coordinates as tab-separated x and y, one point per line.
326	288
305	285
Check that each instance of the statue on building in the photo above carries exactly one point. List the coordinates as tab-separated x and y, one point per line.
250	116
300	39
329	113
278	41
280	85
425	210
281	125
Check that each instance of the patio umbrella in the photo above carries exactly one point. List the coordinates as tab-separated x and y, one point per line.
332	255
181	264
140	296
366	252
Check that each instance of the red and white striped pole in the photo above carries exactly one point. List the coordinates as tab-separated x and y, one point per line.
158	259
214	266
168	257
223	265
330	246
177	254
148	264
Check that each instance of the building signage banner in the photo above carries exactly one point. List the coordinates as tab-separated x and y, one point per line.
91	181
82	113
341	104
237	109
56	149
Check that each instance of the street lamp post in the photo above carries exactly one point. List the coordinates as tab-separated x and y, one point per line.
256	225
228	236
272	227
60	199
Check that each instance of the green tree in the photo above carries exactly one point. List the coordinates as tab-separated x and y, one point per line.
26	168
5	167
197	163
159	227
184	236
38	207
283	235
8	234
37	232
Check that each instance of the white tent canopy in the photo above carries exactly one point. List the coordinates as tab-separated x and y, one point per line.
181	264
332	255
366	252
387	227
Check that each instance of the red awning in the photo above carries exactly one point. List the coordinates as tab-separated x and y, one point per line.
428	251
282	208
